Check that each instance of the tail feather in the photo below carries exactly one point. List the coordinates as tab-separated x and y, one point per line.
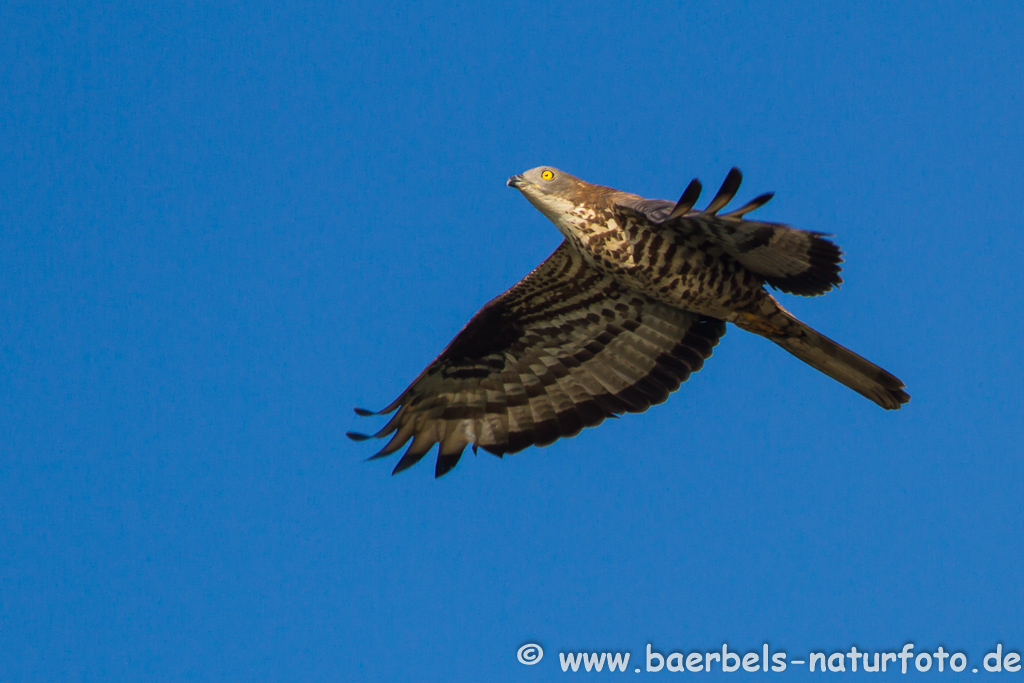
826	356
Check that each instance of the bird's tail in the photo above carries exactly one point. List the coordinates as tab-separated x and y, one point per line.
867	379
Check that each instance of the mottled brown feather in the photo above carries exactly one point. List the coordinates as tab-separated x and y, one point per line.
567	346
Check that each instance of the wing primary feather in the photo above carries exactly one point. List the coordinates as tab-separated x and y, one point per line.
725	193
391	425
445	464
404	433
690	196
409	459
363	412
755	203
356	436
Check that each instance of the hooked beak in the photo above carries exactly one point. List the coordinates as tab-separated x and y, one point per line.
517	181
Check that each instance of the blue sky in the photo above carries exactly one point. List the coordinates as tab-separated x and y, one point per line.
225	226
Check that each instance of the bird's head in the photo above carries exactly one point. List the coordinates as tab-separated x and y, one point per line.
544	180
555	193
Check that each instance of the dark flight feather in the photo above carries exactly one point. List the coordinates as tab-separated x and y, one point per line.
564	349
791	260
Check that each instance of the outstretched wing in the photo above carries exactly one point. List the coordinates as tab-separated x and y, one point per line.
563	349
794	261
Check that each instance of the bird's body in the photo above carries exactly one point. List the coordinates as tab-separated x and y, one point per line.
625	309
684	270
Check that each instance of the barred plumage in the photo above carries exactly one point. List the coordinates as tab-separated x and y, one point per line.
627	307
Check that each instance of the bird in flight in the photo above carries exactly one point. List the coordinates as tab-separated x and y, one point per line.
628	306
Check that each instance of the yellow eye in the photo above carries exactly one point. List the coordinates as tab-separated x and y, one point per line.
547	175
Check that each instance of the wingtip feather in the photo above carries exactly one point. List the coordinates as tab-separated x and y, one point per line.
445	464
754	204
409	459
690	196
725	193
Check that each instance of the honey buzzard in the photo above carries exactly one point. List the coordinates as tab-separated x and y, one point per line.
633	301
